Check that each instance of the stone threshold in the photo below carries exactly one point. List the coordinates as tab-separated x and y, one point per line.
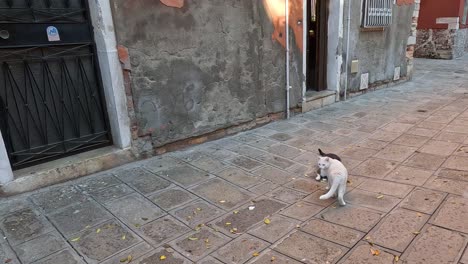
315	100
66	169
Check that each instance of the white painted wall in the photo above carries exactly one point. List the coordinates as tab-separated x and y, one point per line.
334	56
111	72
6	174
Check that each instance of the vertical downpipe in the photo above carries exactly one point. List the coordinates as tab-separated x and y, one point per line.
287	57
305	22
348	19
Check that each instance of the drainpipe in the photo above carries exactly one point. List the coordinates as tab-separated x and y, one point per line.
305	22
348	19
287	58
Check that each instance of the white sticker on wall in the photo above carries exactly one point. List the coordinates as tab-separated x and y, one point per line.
364	81
53	34
396	75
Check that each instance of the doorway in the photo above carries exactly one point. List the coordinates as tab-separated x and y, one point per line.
51	95
317	23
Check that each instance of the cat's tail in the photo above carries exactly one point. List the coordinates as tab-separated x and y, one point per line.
321	152
331	192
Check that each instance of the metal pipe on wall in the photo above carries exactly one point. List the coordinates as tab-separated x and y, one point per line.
305	22
286	8
348	19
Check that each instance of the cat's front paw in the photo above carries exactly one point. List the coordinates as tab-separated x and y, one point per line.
323	197
318	178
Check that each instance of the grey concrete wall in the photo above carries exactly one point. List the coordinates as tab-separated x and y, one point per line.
378	52
209	65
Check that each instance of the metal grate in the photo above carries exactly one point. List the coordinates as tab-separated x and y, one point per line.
377	13
51	99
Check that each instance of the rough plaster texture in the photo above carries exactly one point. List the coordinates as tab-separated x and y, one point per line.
379	52
441	43
208	65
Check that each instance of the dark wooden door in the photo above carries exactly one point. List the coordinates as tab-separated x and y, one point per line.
317	45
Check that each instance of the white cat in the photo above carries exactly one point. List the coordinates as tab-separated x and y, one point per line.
337	178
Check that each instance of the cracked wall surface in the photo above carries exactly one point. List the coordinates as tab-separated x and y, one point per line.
204	66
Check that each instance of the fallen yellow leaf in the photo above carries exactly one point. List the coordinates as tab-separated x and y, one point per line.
222	201
228	223
368	237
380	197
419	214
255	254
207	240
397	258
198	209
416	232
193	238
236	212
375	252
267	221
127	259
273	258
162	257
75	239
98	230
124	237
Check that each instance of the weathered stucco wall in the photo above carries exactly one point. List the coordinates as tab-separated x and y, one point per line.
208	65
379	52
441	43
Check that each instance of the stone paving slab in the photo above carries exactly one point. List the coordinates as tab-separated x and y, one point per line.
40	247
270	256
253	197
107	239
398	229
240	250
332	232
362	254
435	245
423	200
453	214
310	249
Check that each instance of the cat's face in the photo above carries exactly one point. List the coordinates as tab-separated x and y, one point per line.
324	162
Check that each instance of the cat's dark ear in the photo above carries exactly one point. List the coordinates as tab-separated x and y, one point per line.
321	152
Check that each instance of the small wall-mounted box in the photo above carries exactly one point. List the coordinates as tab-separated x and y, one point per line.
355	66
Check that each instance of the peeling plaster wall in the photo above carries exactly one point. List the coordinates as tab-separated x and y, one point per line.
208	65
378	52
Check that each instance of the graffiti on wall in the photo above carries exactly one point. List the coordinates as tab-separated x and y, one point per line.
277	16
276	12
173	3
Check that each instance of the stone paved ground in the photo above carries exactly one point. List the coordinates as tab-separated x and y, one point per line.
251	198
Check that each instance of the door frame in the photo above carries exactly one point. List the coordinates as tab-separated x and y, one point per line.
319	81
334	58
111	75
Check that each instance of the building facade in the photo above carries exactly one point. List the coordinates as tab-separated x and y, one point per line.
442	29
139	78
